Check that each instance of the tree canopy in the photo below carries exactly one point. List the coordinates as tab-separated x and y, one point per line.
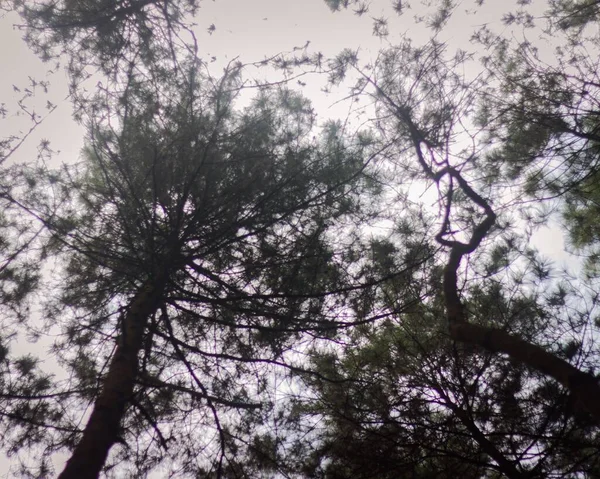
239	287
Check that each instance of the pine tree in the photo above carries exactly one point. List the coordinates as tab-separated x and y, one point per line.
195	247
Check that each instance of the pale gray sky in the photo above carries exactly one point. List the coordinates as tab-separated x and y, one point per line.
248	29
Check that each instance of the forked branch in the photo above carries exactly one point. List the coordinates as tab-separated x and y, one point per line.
583	386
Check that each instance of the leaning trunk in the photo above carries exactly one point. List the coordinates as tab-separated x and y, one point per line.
584	386
104	425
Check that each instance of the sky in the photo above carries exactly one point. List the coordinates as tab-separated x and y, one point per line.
246	29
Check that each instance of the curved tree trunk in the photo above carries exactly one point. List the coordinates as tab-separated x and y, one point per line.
584	386
104	425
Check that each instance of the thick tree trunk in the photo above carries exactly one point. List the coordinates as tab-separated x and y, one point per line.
104	425
584	386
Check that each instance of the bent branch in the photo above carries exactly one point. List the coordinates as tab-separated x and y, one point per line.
585	387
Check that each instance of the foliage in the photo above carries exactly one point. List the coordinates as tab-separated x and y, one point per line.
108	34
241	292
227	213
521	129
403	399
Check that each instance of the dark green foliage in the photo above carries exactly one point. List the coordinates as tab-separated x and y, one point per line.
235	208
299	318
401	400
105	33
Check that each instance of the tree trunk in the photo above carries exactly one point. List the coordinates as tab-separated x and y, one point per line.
104	425
584	386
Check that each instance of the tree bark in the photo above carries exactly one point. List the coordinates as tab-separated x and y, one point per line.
104	425
584	386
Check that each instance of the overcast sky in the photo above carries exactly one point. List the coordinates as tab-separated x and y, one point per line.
248	29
